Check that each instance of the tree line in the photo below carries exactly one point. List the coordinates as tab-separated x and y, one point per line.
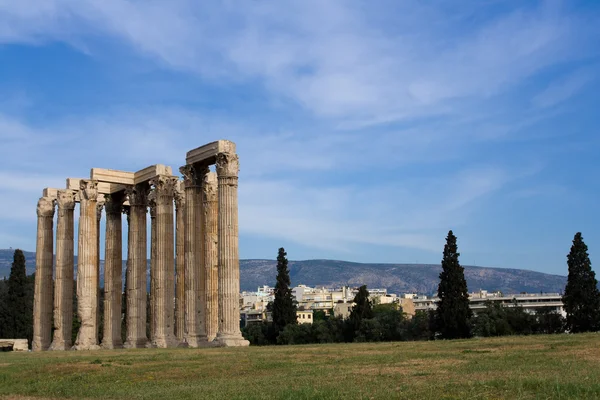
452	319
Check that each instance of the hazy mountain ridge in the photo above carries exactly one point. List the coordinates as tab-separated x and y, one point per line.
396	278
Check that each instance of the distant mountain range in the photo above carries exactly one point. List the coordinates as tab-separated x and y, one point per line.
396	278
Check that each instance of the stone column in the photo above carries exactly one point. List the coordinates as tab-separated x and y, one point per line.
192	251
164	283
211	254
152	296
113	272
137	260
229	333
99	208
87	267
63	282
179	262
42	303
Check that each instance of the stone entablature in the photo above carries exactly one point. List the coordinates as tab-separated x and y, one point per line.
193	301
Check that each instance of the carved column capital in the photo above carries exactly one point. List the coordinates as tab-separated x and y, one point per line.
88	189
100	207
193	174
137	195
164	188
66	199
113	203
152	203
45	207
179	196
228	165
209	187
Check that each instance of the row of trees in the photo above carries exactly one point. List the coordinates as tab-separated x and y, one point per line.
452	319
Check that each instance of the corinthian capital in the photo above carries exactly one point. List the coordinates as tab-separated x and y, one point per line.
113	203
137	195
228	165
66	199
179	195
45	207
209	187
164	185
88	189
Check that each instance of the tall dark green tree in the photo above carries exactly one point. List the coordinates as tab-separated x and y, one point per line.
581	298
3	308
284	309
453	312
361	310
19	299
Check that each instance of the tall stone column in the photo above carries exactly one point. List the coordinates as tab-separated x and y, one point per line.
179	262
211	254
152	296
164	283
113	272
229	333
42	303
137	267
192	250
87	268
99	208
63	282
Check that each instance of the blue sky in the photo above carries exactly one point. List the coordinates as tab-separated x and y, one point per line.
366	130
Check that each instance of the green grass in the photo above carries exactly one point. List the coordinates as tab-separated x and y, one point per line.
533	367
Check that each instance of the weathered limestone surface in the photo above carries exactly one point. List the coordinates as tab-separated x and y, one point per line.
151	172
16	344
179	261
42	304
211	254
229	333
206	155
111	336
152	296
87	268
113	176
193	218
63	283
164	283
99	208
136	267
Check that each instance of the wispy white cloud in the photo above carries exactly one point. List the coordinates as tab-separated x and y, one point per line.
338	60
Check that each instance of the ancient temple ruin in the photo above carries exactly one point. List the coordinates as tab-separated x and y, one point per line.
194	258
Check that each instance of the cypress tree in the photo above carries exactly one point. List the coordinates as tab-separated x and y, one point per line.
19	304
362	309
581	299
284	309
3	309
453	312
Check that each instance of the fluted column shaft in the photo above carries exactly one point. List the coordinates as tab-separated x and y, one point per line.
63	282
192	252
229	333
87	268
136	267
42	304
179	262
164	284
113	266
152	297
211	254
99	208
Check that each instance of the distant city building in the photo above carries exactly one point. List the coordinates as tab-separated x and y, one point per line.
530	302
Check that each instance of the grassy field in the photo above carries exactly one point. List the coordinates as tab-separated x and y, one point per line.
534	367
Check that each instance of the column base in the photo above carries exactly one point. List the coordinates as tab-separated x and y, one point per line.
60	346
111	345
136	344
165	343
231	341
80	347
196	341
